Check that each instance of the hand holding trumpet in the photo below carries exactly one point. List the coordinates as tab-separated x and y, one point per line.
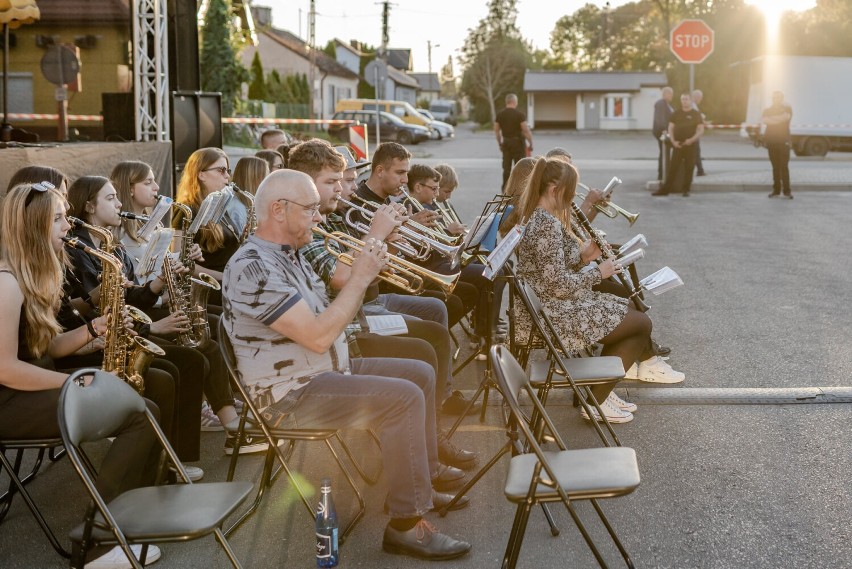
372	259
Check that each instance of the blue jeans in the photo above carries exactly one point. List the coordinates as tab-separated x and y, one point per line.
423	307
396	398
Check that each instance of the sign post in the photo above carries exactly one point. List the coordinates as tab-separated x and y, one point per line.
692	42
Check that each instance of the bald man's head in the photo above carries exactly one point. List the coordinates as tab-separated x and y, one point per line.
291	185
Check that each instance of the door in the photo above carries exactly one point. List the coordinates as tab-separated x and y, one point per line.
592	106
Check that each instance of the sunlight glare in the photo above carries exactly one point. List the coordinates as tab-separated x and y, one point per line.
772	12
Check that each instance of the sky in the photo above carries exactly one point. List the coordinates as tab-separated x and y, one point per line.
413	23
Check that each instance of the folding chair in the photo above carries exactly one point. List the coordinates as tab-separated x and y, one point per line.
561	371
249	424
18	483
566	476
154	514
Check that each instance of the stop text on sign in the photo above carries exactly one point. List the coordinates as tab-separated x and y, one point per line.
691	41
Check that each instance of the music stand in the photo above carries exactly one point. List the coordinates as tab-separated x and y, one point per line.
494	263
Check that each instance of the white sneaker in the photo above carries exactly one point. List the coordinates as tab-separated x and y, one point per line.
612	413
633	372
195	474
116	559
621	403
656	370
209	420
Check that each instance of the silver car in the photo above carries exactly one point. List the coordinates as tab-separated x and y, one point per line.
442	129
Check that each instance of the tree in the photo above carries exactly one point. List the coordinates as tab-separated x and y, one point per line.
221	69
257	87
494	57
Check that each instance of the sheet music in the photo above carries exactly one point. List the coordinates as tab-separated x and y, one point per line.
387	324
663	280
480	228
501	253
637	242
607	191
164	205
212	209
152	260
630	258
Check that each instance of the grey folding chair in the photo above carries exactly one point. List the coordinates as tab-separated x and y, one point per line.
562	371
154	514
250	425
17	483
563	475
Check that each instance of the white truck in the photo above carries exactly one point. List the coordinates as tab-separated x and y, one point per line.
817	88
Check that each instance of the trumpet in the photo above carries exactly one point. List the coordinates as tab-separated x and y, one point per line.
611	209
401	273
436	233
412	233
363	228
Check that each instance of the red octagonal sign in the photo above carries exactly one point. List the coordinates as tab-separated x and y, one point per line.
692	41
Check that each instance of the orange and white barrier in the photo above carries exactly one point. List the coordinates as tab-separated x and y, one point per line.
358	141
51	117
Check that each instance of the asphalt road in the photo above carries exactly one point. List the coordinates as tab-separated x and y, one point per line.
724	486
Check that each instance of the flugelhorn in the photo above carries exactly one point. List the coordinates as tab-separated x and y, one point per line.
406	249
401	273
437	232
610	209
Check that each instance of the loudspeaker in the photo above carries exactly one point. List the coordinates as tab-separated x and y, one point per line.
119	116
196	123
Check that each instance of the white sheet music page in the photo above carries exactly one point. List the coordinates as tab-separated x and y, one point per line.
501	253
151	262
482	225
164	205
387	324
663	280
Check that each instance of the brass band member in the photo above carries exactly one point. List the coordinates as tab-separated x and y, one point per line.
551	259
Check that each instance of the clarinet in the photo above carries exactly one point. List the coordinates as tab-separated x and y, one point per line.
607	253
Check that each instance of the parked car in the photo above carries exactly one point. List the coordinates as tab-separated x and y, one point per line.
442	129
444	110
391	128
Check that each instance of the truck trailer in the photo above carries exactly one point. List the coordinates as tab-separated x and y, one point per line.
817	89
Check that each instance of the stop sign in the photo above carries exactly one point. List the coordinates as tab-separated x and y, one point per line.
692	41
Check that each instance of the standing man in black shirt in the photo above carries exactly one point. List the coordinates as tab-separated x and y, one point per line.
685	128
777	141
662	113
511	130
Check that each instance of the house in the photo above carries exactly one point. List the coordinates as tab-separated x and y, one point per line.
600	100
288	54
430	85
397	85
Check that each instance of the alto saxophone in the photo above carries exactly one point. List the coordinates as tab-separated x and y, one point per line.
126	356
251	218
187	293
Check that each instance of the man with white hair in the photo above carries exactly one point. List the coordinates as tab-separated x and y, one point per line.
292	354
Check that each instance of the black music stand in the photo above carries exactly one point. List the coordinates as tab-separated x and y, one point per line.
494	264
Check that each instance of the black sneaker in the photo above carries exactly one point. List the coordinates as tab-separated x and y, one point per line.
660	350
455	404
248	444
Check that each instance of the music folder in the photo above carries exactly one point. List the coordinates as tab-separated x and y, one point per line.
663	280
501	253
164	205
152	260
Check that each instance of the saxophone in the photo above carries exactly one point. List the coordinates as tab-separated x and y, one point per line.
126	356
187	293
251	218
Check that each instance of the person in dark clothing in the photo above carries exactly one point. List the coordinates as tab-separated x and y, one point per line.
685	128
513	135
697	97
662	113
777	141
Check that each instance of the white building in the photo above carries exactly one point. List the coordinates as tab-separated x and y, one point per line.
606	100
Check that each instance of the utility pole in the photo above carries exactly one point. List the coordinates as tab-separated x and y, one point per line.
385	30
429	52
313	57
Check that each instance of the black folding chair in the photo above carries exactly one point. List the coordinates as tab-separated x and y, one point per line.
17	483
154	514
566	476
562	371
251	423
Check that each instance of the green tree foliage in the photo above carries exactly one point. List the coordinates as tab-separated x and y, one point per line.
257	87
221	69
290	89
494	57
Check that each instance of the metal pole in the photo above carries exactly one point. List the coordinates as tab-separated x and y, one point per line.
378	113
7	127
691	78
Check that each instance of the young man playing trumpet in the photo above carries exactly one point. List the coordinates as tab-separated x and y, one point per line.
292	354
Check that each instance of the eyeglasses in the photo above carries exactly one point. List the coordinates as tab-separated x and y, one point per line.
278	167
222	170
433	188
312	209
39	187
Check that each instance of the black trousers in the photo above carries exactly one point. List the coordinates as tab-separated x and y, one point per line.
665	150
779	156
514	150
682	164
132	458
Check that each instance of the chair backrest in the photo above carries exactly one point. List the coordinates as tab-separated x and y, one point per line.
94	412
512	379
227	349
542	325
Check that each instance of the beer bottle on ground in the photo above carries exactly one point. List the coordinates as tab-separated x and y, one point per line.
326	528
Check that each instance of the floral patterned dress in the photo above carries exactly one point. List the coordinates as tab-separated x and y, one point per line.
549	261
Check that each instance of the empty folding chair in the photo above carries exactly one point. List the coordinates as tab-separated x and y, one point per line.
563	475
149	515
250	425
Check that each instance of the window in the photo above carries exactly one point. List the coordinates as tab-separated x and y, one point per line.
616	106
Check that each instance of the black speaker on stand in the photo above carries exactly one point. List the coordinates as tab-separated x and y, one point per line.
196	122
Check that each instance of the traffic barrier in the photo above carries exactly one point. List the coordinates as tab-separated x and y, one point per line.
358	141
